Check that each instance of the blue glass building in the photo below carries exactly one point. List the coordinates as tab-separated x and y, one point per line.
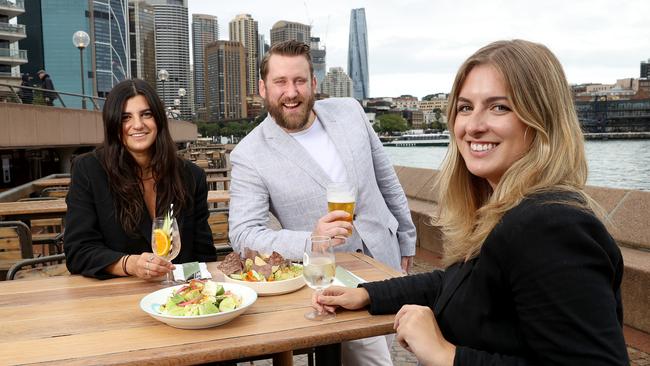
51	24
358	54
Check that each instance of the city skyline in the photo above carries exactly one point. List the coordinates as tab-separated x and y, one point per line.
597	41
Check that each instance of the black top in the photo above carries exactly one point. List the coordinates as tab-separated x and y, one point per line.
544	290
46	83
94	237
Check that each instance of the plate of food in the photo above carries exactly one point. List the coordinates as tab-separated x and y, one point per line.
198	304
266	274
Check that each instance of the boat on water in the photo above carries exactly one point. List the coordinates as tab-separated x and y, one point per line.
419	139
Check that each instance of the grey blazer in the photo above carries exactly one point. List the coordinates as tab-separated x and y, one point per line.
272	172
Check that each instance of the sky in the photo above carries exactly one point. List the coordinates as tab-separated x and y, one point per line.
416	46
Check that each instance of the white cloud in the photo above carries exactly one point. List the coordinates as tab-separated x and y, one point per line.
417	45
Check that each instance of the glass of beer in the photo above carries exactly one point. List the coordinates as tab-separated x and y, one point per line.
341	196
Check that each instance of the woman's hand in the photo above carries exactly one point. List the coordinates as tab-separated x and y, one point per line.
335	296
418	332
147	265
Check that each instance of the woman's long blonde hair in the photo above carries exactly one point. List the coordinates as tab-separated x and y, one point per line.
540	96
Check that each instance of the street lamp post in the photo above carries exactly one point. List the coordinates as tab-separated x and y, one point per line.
163	75
181	93
81	40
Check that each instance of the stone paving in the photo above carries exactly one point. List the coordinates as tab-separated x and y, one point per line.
401	357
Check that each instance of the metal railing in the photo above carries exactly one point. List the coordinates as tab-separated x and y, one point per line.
20	94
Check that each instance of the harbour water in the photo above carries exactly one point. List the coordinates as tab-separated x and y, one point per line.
612	163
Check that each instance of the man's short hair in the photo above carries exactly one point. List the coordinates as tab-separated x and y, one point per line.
286	48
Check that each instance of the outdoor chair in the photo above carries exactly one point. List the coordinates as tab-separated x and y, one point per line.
48	266
218	221
15	243
48	233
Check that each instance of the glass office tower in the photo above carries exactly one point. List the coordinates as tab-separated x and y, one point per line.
358	53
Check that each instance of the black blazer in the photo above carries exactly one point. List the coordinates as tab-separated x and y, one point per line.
544	290
94	238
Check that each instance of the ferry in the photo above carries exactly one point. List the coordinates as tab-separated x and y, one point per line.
420	139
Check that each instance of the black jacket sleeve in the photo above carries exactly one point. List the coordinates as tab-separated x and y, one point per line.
388	296
85	249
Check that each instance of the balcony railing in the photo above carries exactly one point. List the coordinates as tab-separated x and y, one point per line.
12	32
12	7
13	57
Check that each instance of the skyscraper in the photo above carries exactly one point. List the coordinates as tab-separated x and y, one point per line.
110	21
358	53
205	29
10	56
243	29
143	41
173	51
337	83
50	26
318	60
645	69
285	31
225	80
262	47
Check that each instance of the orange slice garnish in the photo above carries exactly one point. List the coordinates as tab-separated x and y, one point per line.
163	243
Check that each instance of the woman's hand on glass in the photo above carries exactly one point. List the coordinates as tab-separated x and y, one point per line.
333	297
418	332
148	266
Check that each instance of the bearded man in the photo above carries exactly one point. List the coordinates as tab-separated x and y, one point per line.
285	164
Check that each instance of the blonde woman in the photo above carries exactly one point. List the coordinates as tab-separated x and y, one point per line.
533	276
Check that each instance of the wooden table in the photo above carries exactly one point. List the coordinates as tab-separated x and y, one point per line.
26	210
74	320
51	182
218	196
48	208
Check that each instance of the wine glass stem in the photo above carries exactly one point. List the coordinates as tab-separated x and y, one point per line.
318	292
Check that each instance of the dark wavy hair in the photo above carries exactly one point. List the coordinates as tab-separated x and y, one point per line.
124	172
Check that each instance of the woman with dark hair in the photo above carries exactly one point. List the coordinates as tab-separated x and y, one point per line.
132	178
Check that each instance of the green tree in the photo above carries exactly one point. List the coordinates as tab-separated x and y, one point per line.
392	123
428	97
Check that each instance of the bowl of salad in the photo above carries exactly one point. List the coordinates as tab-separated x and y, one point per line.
198	304
266	274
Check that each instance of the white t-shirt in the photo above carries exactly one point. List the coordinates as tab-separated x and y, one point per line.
321	148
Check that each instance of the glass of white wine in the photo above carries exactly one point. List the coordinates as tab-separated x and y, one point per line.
319	267
166	242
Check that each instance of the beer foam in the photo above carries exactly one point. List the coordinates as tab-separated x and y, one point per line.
340	197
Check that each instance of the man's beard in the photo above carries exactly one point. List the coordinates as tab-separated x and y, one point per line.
291	121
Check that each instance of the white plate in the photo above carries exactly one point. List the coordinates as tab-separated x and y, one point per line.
273	287
150	304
